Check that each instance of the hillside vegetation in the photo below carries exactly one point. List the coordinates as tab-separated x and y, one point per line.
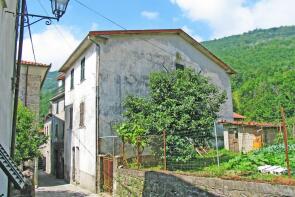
265	64
47	92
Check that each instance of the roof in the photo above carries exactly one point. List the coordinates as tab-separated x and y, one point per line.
258	124
238	116
61	76
86	43
23	62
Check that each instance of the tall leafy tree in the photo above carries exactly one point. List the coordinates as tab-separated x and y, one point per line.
28	137
183	103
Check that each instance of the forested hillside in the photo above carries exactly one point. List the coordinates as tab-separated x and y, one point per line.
47	92
265	64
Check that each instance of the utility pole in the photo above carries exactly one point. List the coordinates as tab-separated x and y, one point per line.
285	140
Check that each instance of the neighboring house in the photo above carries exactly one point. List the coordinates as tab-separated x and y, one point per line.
105	68
46	149
32	77
7	67
240	136
54	128
238	117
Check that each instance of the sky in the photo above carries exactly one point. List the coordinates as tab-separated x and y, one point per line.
202	19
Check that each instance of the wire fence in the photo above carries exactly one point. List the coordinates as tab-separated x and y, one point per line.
188	152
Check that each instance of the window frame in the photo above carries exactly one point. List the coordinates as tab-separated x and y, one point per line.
72	79
82	67
71	118
82	115
57	107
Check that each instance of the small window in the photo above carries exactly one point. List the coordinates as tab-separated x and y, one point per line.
63	131
82	109
71	118
72	79
179	66
57	107
83	69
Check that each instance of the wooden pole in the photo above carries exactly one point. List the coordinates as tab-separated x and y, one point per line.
164	144
285	140
137	152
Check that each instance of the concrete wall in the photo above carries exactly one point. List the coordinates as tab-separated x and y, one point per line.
82	137
46	151
7	43
140	183
125	65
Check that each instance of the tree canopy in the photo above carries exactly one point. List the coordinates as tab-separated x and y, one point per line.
28	137
183	103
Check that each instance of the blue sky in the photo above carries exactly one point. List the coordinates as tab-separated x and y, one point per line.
203	19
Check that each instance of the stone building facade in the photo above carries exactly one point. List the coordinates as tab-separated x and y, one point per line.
32	77
105	68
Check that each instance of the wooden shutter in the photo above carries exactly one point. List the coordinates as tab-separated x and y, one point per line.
82	114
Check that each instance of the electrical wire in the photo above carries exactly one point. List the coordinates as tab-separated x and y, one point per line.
30	33
55	26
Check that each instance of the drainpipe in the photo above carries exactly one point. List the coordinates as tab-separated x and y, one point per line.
97	166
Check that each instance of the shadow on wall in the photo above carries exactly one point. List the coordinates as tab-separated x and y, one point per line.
162	184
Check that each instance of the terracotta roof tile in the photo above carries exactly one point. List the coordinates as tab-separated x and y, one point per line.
23	62
260	124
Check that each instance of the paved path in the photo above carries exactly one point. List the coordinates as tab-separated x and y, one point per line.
51	187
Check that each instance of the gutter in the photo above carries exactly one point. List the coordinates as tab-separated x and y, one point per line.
97	150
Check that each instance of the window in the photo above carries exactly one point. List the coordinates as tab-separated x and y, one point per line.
71	118
179	66
82	107
63	131
57	107
83	69
56	130
72	79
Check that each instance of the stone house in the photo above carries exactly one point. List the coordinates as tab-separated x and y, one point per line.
105	68
32	76
240	136
7	67
53	151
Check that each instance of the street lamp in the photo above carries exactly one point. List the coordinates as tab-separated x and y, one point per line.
59	7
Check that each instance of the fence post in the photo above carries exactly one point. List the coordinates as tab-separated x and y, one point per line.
285	140
164	144
216	144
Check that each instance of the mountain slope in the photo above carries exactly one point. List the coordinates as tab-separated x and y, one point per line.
265	65
47	92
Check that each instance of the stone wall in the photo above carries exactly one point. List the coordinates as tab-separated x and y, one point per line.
150	183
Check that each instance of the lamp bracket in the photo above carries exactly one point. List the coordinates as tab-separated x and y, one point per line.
48	19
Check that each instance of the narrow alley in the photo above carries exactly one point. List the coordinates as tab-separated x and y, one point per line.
49	186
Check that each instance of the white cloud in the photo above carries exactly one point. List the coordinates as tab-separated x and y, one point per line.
94	26
53	45
229	17
150	15
192	34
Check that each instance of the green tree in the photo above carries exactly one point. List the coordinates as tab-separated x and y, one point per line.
28	137
183	103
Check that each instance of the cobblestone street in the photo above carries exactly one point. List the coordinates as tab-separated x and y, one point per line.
49	186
